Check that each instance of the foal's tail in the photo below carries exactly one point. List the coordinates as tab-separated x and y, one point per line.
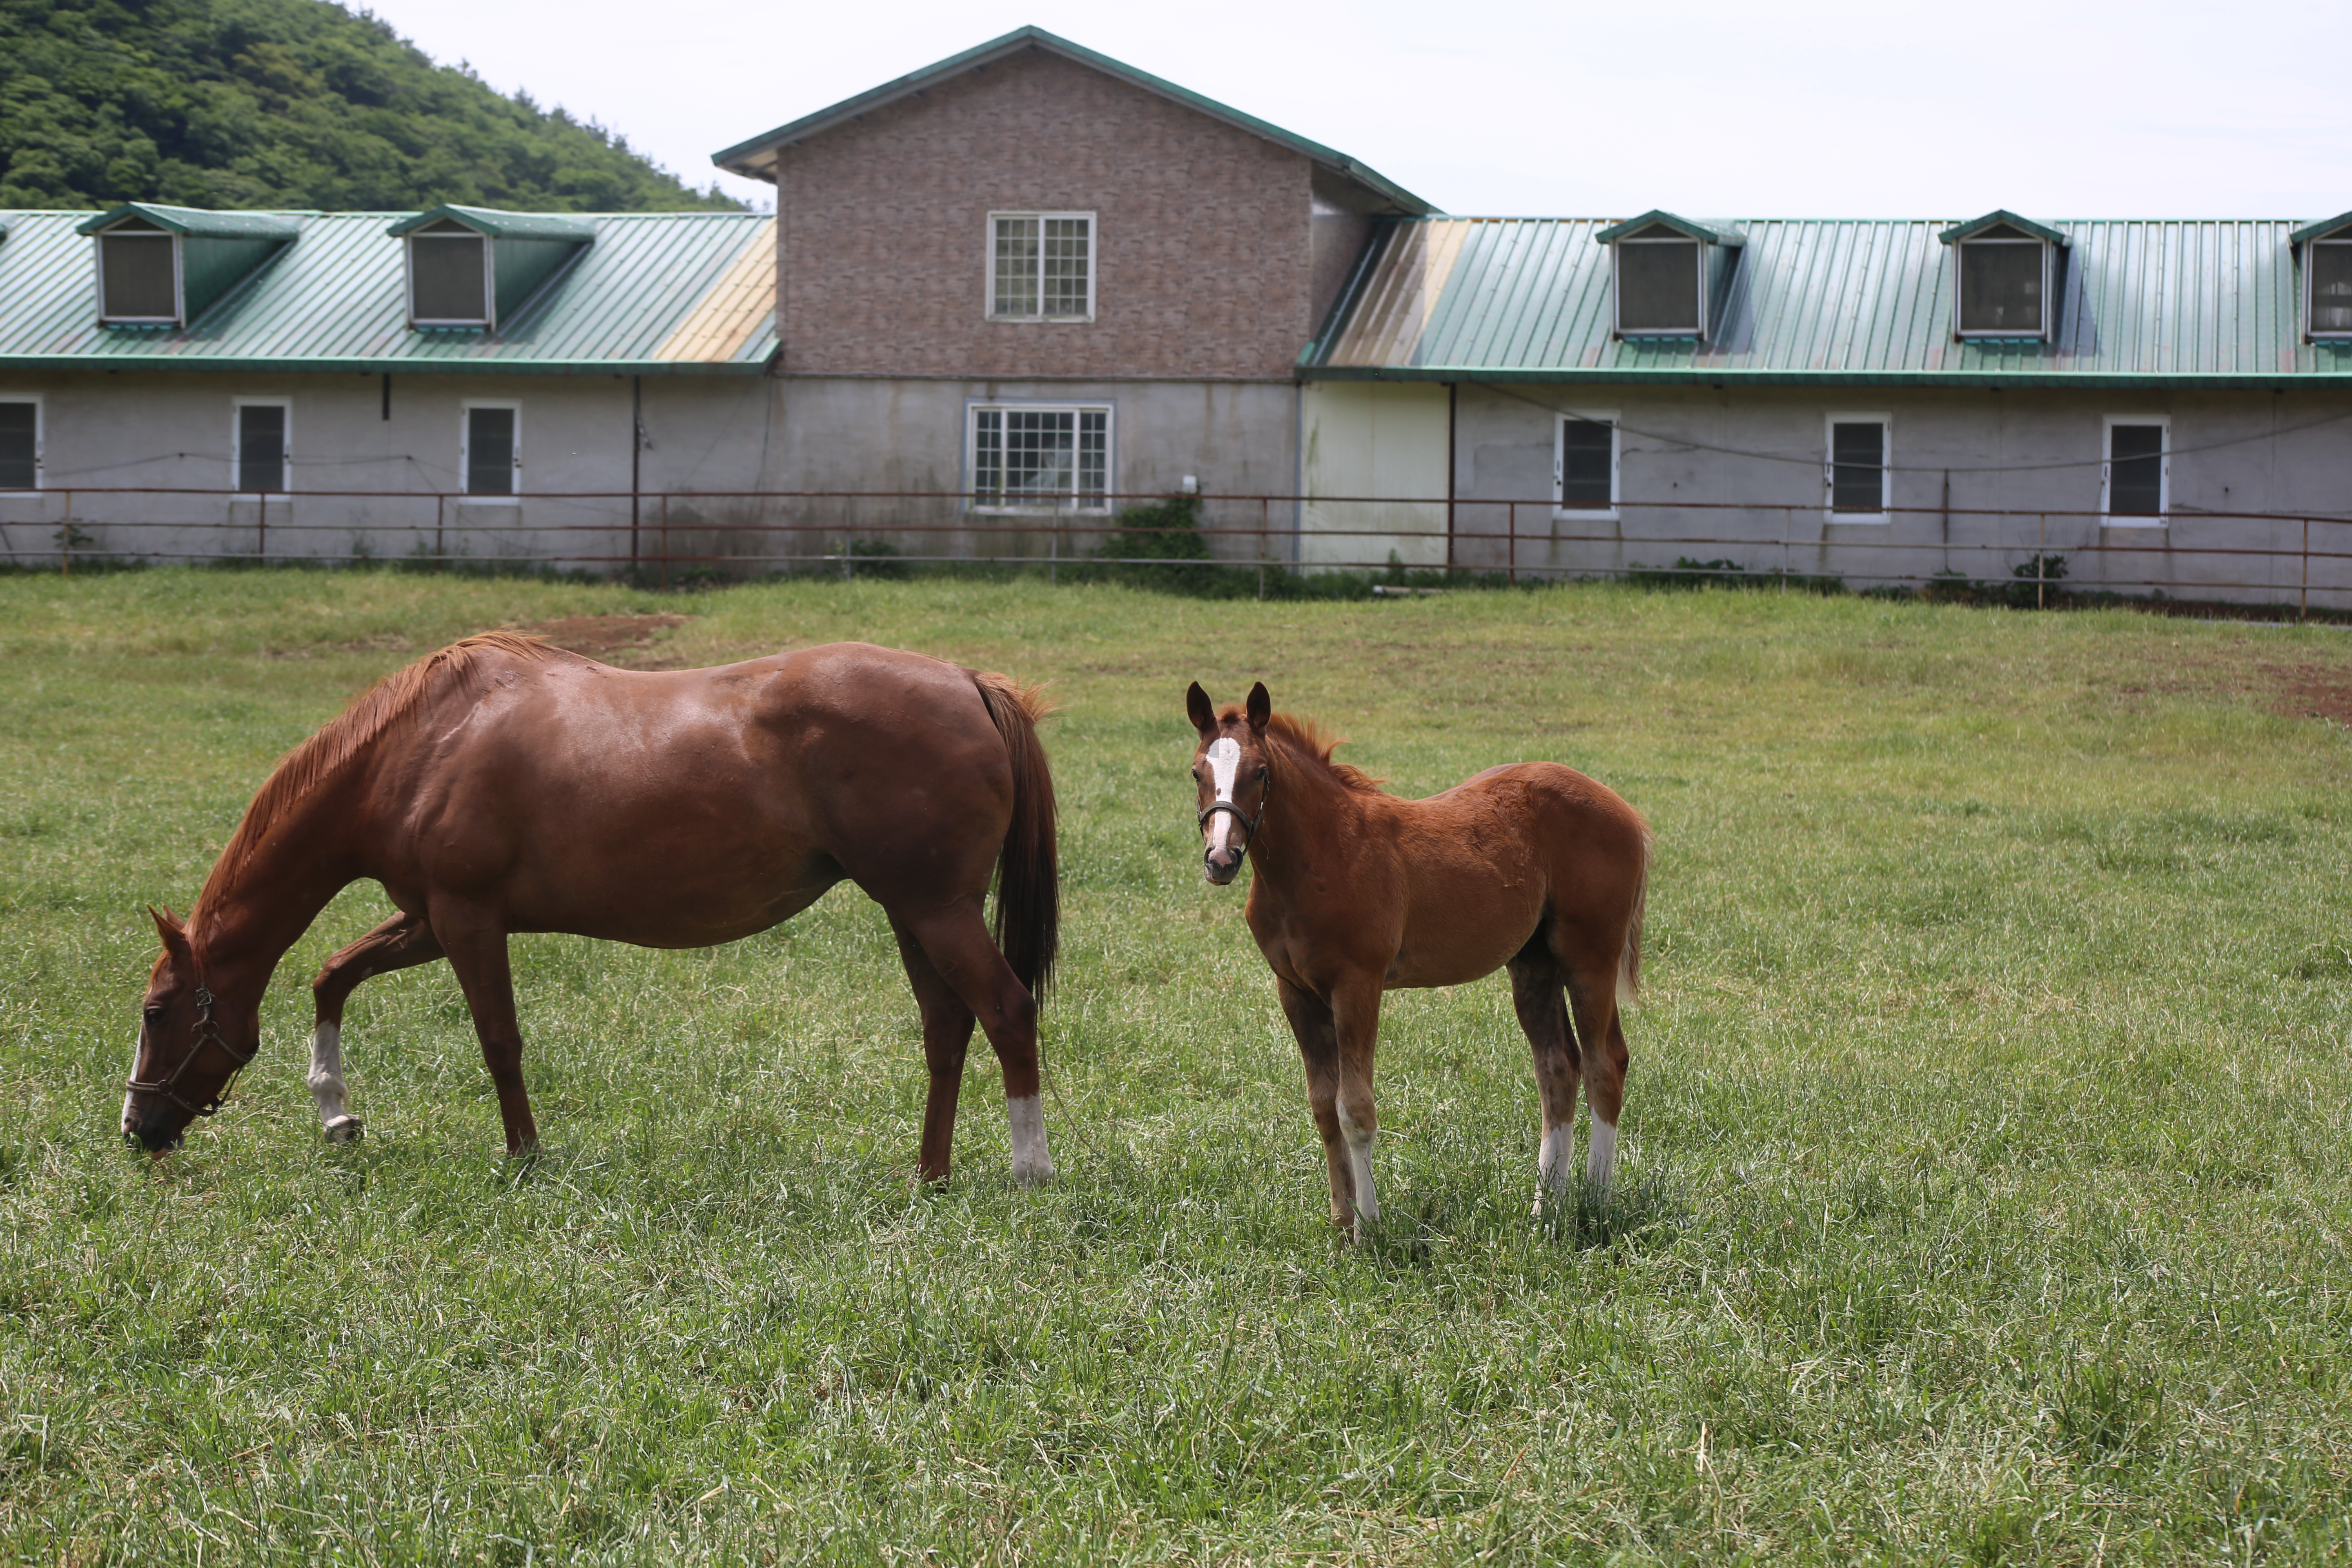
1629	965
1028	875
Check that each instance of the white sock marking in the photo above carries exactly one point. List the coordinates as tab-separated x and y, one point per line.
1360	1165
1602	1161
326	1080
1030	1161
1556	1159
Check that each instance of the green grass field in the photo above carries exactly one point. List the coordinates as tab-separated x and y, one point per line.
1984	1194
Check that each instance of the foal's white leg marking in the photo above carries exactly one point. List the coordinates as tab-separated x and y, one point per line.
1359	1165
1224	760
1602	1161
1555	1160
1030	1161
327	1083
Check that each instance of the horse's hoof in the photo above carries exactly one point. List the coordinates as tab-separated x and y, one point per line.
345	1130
1037	1174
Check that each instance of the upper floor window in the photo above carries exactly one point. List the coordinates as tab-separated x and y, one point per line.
448	277
2005	275
2136	475
1586	471
1041	266
2327	284
138	274
20	446
1858	476
1041	457
1658	277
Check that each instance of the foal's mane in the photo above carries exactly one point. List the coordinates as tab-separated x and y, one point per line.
342	739
1306	741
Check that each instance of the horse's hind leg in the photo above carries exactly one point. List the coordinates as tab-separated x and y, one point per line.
1535	993
956	941
1592	997
946	1035
400	942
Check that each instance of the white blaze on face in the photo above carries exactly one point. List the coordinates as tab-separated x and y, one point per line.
1224	759
1602	1161
1030	1161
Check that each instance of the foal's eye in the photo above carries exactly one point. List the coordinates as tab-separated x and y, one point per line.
1261	776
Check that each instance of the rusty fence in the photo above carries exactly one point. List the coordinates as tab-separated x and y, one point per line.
2304	559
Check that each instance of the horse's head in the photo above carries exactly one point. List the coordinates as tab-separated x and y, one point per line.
185	1059
1230	769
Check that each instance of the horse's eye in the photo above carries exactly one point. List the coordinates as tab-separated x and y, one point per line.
1260	774
154	1014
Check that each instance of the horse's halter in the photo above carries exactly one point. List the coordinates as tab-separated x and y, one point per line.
1249	824
208	1030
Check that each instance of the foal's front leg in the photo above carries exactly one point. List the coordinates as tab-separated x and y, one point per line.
400	942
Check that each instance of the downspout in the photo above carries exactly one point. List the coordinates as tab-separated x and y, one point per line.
636	456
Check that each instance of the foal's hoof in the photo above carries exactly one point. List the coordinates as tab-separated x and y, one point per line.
345	1130
1033	1173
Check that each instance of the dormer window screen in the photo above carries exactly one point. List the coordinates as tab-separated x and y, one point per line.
2327	284
1660	287
139	276
448	277
2004	284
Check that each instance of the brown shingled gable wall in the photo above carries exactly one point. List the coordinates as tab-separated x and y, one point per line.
1204	267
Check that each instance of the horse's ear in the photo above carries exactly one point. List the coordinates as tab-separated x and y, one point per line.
1260	707
1204	712
168	927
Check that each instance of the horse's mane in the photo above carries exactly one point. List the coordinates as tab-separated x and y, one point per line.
343	739
1308	742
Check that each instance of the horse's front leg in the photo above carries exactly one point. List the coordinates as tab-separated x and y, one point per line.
1318	1051
476	940
1356	1017
400	942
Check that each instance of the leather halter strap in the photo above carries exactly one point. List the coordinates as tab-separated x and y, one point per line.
1249	824
208	1032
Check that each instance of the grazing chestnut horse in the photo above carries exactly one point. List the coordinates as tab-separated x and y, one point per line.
502	785
1533	867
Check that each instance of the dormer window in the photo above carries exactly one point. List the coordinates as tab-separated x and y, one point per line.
164	267
138	275
448	277
2005	271
475	267
2326	279
1665	274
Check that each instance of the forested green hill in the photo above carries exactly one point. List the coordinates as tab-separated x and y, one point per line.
300	103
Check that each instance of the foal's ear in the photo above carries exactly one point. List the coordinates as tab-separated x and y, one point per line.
168	927
1203	711
1260	707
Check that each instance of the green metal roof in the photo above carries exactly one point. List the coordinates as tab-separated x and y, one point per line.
1852	301
743	158
656	293
195	223
503	225
2323	227
1999	215
1711	233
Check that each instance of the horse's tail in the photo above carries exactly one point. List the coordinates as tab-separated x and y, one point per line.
1028	873
1629	963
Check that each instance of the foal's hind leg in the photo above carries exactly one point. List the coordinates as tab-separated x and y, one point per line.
946	1035
400	942
956	940
1543	1012
1592	997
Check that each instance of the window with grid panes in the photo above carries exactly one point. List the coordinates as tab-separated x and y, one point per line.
1041	266
1027	456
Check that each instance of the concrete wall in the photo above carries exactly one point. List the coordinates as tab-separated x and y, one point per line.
2032	454
1204	259
108	437
1373	439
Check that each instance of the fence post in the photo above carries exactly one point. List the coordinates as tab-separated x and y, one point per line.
440	546
1513	558
665	528
2303	611
65	541
2040	556
1264	516
261	528
1788	526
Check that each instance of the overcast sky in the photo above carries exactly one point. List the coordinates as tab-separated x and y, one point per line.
1803	108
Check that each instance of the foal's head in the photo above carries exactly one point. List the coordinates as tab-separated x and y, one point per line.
185	1059
1229	768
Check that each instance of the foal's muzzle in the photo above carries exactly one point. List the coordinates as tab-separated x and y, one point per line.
1220	866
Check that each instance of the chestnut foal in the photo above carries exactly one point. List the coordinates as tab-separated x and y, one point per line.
1531	866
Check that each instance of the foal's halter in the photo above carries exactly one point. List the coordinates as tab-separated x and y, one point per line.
1249	824
208	1031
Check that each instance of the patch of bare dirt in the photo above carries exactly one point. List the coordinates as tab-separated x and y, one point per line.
2313	690
617	639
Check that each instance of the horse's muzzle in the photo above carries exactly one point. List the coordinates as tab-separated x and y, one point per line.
1220	866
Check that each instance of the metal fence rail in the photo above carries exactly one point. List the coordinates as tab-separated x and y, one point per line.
661	535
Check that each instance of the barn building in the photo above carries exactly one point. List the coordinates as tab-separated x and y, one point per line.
1025	282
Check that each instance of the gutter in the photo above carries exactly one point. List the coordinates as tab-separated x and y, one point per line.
2104	380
